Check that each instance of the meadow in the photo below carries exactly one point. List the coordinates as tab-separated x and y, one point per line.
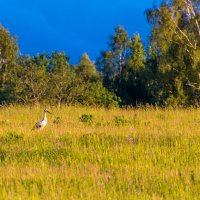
97	153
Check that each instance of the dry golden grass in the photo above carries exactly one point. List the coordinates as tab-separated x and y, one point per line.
88	153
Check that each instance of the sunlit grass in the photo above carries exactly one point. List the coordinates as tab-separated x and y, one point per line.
88	153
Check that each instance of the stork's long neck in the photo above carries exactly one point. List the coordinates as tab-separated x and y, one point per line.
45	117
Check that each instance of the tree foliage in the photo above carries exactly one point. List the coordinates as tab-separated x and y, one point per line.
8	57
175	39
167	72
123	66
29	79
87	69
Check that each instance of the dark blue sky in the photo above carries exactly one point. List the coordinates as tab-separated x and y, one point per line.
75	26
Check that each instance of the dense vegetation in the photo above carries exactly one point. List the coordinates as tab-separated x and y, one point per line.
166	72
88	153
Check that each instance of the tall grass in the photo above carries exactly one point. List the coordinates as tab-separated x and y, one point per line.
87	153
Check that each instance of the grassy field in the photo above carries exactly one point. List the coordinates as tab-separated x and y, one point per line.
86	153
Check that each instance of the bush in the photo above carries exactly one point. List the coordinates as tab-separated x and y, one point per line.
120	121
86	118
97	95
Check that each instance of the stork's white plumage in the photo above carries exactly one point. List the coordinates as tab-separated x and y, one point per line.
41	124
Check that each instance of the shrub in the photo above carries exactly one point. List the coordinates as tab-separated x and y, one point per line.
57	120
86	118
97	95
120	121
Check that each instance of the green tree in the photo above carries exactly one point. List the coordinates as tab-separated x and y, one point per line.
87	69
8	57
176	42
123	67
133	78
137	57
105	64
64	85
30	79
119	47
112	62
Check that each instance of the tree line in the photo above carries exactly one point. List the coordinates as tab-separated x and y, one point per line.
164	72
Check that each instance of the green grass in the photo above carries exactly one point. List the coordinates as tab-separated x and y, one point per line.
87	153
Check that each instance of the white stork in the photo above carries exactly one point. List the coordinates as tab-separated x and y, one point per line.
41	124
